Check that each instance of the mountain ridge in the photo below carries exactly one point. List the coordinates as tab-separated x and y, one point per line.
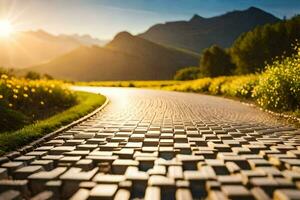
199	32
126	57
29	48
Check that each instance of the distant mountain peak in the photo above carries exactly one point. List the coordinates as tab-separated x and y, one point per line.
196	18
253	8
122	35
199	33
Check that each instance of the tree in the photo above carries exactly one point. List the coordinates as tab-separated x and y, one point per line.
215	61
188	73
254	49
32	75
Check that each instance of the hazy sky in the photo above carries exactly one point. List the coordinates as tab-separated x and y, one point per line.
105	18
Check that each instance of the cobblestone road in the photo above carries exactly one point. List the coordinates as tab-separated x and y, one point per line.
150	144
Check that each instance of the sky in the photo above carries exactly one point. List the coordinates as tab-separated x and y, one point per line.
105	18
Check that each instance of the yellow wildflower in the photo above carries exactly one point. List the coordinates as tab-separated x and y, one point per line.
1	96
4	76
32	90
25	95
15	96
42	103
10	105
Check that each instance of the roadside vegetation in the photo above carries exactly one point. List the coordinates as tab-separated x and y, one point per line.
277	88
33	108
250	53
138	84
24	101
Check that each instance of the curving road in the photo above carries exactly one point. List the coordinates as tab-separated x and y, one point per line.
150	144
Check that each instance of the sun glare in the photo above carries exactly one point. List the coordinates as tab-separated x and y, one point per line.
6	28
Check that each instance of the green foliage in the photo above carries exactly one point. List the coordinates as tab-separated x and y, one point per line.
35	99
215	61
252	50
216	83
199	85
87	102
138	84
31	75
240	86
188	73
279	86
11	119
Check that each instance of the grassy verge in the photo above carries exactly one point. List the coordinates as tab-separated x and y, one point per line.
87	102
138	84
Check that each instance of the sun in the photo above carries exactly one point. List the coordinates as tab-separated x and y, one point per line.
6	28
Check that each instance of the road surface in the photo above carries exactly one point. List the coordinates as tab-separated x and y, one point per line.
151	144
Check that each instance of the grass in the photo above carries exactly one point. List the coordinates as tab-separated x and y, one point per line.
86	102
138	84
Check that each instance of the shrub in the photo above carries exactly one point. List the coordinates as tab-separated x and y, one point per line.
35	99
279	86
215	61
32	75
216	83
201	85
188	73
11	120
240	86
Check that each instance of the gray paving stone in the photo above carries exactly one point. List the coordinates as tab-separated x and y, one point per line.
237	192
24	172
10	195
3	173
12	166
46	195
19	185
287	194
103	191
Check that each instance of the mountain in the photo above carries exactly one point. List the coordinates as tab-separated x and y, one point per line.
86	39
199	32
29	48
126	57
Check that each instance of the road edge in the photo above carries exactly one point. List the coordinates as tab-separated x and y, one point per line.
38	142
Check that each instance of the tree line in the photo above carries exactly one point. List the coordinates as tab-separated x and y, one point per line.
249	53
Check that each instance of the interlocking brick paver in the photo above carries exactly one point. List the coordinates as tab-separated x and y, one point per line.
161	145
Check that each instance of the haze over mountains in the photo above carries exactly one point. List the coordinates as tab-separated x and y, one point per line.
151	55
25	49
126	57
199	32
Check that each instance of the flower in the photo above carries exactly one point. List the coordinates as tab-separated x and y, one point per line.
15	96
42	103
25	95
1	96
4	76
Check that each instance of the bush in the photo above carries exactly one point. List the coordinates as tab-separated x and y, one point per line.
35	99
11	120
188	73
240	86
199	85
215	61
216	83
32	75
279	86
